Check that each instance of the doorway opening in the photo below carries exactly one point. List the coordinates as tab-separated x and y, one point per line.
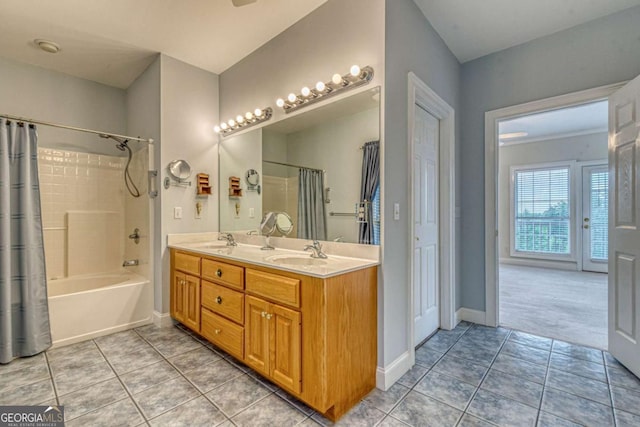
553	223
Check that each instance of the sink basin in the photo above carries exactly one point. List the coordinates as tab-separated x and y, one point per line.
296	260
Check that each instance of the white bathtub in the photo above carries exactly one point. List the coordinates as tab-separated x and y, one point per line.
85	307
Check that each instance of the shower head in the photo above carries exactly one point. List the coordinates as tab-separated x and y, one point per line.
122	143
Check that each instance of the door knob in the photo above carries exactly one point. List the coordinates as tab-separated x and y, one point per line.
219	273
219	299
586	220
585	226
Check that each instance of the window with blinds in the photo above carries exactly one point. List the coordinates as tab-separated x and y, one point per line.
598	223
542	219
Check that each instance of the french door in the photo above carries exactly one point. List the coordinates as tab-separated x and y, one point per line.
595	214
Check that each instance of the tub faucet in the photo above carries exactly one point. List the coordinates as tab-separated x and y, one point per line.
229	238
135	236
130	263
316	249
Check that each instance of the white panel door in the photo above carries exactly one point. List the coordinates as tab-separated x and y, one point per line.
426	296
624	231
595	215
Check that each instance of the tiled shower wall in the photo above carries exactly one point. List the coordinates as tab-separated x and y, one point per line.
281	194
73	181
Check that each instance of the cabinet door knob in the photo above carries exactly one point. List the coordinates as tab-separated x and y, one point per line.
263	314
268	316
219	273
219	299
217	331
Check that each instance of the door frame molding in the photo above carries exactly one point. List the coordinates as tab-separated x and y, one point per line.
423	95
491	120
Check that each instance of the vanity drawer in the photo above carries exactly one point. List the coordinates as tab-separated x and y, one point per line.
223	333
226	274
187	263
223	301
274	287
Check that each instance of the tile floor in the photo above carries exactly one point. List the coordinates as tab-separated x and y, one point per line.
471	376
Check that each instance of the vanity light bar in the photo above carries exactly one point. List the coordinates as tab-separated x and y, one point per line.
241	122
356	77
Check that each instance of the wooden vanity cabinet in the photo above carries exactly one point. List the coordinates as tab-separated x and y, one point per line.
185	290
315	337
273	342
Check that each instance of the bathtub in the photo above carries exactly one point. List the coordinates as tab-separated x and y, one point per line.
85	307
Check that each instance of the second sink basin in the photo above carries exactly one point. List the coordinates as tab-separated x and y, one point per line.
295	260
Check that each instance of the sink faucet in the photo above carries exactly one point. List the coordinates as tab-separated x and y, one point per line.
316	249
229	238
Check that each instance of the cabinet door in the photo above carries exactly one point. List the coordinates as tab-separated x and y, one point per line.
192	302
177	296
285	344
256	353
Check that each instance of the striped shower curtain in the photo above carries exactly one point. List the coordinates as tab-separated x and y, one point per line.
24	311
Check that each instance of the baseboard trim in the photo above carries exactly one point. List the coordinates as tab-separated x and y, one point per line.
525	262
387	376
470	315
162	320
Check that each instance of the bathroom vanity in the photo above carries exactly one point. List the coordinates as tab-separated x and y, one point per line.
307	325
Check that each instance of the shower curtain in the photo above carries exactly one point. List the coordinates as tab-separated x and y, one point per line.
311	210
24	311
368	185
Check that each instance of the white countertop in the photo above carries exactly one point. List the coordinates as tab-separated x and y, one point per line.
279	259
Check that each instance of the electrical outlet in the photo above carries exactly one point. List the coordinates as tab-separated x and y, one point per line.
177	212
396	211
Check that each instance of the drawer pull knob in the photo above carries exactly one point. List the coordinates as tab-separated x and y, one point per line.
219	299
217	331
219	273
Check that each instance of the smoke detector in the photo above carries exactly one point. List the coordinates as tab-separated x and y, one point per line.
47	45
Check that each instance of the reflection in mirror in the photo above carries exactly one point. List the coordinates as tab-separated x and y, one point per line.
284	223
334	147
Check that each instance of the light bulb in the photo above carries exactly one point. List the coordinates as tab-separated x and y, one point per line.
216	129
305	91
336	79
223	126
320	87
231	122
280	102
257	112
292	97
239	119
248	115
355	70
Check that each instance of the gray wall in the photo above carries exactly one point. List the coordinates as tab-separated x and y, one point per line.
143	118
575	148
594	54
40	94
411	45
189	110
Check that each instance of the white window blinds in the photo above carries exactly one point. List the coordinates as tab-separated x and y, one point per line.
542	211
598	223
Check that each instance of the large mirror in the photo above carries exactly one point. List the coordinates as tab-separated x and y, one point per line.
320	167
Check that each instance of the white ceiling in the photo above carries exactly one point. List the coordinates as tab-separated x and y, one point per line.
474	28
572	121
113	41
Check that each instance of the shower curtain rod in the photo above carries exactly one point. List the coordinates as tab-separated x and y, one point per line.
293	166
56	125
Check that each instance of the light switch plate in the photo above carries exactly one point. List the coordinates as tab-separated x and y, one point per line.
252	212
177	212
396	211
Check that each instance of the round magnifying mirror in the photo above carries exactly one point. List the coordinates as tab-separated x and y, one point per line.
284	224
179	169
253	177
